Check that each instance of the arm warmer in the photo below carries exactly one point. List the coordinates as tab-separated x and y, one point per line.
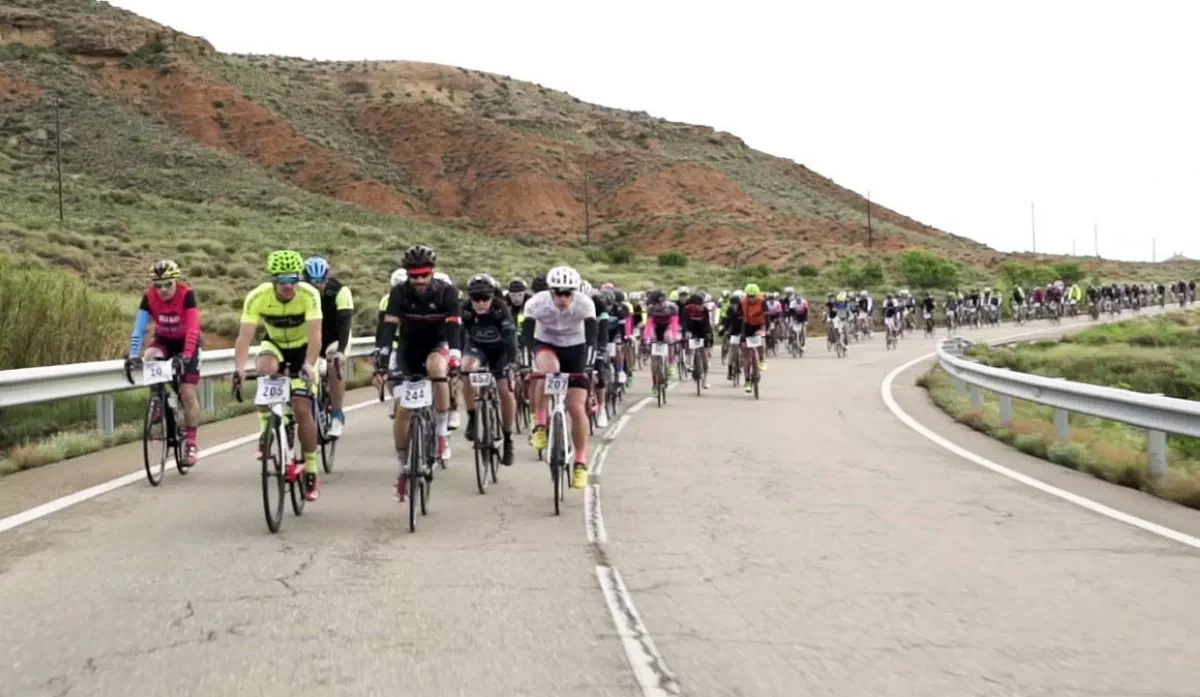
344	319
590	327
139	330
191	324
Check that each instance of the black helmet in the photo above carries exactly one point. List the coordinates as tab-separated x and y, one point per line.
418	256
516	285
695	299
655	296
480	285
619	296
540	284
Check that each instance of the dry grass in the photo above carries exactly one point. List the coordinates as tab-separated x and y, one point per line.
1113	452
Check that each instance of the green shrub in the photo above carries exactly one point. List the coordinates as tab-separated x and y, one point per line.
672	258
620	255
924	270
807	271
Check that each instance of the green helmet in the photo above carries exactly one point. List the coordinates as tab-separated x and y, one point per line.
752	289
285	261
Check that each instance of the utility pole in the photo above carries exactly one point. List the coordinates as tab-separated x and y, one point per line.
870	232
1072	246
1153	249
1096	238
1033	226
587	204
58	155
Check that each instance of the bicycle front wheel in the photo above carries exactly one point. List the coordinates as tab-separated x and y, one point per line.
483	446
272	475
154	440
558	461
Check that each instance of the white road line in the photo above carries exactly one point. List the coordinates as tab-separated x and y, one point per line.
45	509
638	407
598	457
597	534
648	666
885	390
616	429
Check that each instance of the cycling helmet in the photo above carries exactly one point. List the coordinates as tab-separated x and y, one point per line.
656	297
444	278
539	283
752	289
789	291
636	296
607	286
674	295
481	284
696	299
586	288
418	256
285	261
316	270
165	270
739	294
399	276
684	291
516	286
563	278
619	296
841	297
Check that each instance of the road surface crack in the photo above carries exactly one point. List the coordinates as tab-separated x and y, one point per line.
189	613
286	580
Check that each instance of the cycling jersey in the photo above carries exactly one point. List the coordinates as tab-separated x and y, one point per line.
890	308
560	327
176	322
286	321
337	310
798	309
754	311
660	319
697	321
491	336
426	320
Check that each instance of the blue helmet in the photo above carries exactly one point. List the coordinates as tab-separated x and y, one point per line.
315	269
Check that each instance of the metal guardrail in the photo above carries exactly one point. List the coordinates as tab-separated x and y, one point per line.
1158	414
103	378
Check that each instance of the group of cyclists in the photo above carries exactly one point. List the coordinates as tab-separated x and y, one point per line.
557	323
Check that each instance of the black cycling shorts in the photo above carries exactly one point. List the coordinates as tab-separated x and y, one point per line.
490	356
571	359
411	357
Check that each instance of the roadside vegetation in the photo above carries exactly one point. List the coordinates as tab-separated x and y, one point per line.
1154	355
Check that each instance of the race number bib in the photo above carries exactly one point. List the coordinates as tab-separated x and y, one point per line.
928	315
556	384
659	349
154	372
621	378
695	344
612	350
481	380
414	395
735	340
275	390
754	341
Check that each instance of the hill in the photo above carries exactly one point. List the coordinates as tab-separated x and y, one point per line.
172	148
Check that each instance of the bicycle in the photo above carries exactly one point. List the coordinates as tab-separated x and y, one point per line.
892	339
929	327
489	434
751	346
558	437
168	427
659	370
699	363
735	359
839	335
414	393
277	445
324	414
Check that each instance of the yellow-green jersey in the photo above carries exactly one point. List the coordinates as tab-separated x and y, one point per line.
286	321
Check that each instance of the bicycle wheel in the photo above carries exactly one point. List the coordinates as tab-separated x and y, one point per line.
273	482
756	378
697	377
178	439
558	462
497	437
298	487
483	446
416	460
154	440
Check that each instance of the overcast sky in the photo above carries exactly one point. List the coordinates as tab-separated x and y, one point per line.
956	114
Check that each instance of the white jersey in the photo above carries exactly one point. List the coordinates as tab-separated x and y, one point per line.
559	327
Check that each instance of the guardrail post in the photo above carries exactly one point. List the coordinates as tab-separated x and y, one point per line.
1062	427
207	400
959	384
105	413
1157	449
1006	415
976	398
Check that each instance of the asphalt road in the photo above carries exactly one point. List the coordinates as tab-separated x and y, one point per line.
805	544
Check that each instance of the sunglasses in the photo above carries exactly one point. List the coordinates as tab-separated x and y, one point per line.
287	280
420	276
163	285
480	298
564	293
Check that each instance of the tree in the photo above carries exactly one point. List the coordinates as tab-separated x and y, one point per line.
1070	272
924	270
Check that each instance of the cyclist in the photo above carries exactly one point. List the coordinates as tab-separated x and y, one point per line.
290	309
489	340
427	314
662	325
697	323
797	310
893	308
605	324
337	310
564	341
754	322
171	305
731	325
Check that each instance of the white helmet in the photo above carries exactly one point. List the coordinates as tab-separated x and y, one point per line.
585	288
739	293
443	277
563	278
789	291
399	276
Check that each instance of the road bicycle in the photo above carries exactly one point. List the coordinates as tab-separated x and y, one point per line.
163	431
660	352
735	359
892	337
699	363
561	449
489	432
280	453
324	412
414	394
750	348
